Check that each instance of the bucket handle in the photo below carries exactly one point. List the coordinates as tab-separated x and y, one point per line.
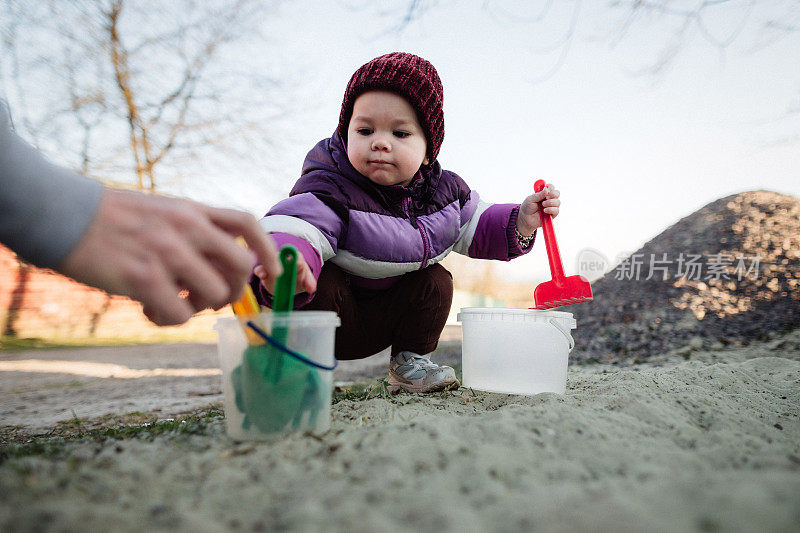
288	351
564	331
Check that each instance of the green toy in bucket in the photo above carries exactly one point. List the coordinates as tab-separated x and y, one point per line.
276	386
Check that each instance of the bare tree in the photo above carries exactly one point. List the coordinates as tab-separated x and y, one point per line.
676	20
680	21
671	24
133	92
131	88
15	305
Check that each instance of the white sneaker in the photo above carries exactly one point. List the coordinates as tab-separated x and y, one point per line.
416	373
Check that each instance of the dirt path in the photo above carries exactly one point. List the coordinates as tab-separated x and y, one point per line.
39	388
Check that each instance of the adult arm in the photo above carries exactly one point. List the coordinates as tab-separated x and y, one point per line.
143	246
44	209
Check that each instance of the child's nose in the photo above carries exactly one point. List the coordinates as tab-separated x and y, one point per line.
381	144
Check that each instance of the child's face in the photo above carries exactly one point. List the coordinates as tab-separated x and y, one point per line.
385	141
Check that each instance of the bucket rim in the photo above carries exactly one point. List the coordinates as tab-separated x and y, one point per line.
515	311
290	318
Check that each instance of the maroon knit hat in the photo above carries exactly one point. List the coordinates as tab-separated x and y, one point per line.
411	77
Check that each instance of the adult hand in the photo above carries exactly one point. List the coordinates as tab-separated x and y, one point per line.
305	278
528	219
152	247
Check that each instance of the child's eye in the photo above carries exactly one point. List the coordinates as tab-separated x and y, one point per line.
364	131
401	134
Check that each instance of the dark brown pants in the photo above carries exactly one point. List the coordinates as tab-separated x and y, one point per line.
408	316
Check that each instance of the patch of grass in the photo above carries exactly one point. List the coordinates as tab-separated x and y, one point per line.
457	370
132	418
36	448
361	391
17	344
355	392
466	394
72	423
15	444
380	390
20	344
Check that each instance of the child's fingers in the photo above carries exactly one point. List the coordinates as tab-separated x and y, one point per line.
261	272
267	279
552	192
544	196
549	191
539	196
551	202
305	279
309	284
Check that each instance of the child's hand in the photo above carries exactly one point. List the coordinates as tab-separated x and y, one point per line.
305	278
528	220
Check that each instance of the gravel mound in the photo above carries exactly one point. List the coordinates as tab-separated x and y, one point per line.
728	273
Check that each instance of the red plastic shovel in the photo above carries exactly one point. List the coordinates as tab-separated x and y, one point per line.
560	290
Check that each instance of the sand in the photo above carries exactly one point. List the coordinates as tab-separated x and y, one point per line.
61	384
40	388
700	445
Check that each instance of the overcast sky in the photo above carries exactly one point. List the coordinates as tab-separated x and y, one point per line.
632	153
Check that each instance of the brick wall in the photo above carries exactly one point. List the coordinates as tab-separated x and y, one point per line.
50	306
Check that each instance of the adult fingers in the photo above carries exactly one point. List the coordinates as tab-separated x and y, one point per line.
228	259
219	254
203	277
234	282
241	223
159	296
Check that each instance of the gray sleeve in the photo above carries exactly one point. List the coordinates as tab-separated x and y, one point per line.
44	209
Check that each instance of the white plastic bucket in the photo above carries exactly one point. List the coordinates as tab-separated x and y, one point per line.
516	351
310	334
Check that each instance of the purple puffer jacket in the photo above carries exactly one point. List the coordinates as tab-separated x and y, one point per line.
377	233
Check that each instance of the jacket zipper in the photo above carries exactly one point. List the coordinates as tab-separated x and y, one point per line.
425	244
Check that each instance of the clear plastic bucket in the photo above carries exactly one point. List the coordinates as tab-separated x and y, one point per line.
516	351
266	391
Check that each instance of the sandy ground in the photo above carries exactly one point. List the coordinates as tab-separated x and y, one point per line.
709	444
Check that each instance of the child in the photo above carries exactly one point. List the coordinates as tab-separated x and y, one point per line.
373	213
